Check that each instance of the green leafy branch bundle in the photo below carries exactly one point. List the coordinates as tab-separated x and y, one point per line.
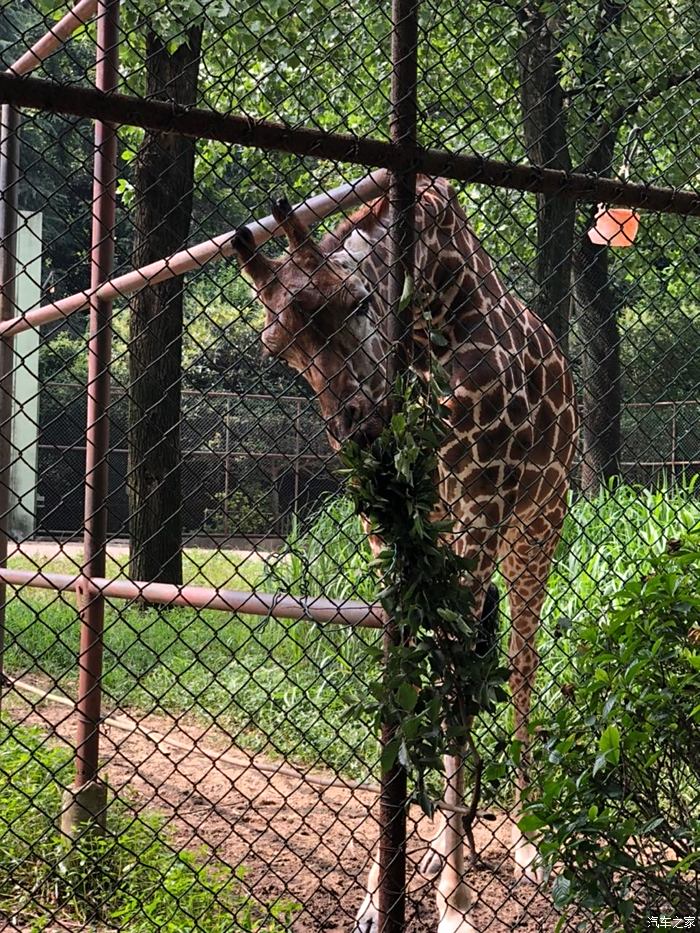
441	670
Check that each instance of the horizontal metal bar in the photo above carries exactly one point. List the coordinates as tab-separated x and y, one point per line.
661	404
194	257
193	452
339	147
314	608
659	463
81	14
120	392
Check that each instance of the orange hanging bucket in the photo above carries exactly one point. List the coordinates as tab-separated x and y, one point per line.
614	226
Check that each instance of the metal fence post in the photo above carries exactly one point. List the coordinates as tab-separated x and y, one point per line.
297	455
674	443
404	50
227	468
86	803
9	186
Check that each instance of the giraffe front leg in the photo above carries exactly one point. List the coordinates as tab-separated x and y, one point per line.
433	861
454	896
524	660
367	919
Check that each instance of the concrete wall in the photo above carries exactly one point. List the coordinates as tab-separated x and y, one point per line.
26	384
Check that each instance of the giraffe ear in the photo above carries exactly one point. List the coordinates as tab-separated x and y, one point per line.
282	209
252	262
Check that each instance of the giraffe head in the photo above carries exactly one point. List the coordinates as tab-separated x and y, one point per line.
321	319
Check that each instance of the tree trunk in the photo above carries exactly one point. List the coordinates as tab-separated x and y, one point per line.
544	124
163	181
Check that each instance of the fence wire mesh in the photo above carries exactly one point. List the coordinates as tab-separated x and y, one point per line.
234	790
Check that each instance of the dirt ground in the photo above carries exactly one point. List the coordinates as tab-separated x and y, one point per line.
302	843
118	550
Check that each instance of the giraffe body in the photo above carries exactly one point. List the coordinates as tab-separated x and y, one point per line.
503	469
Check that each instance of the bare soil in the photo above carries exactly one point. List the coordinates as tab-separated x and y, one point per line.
298	842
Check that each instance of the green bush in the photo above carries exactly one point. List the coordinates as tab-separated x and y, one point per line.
137	878
617	803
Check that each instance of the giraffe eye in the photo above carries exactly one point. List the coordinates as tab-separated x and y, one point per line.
363	306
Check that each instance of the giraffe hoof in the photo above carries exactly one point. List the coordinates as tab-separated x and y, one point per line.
431	864
367	920
527	869
455	924
456	918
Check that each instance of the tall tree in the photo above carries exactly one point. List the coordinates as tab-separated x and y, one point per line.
546	142
576	114
162	179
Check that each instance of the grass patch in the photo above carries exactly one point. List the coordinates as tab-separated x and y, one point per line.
283	687
279	687
134	879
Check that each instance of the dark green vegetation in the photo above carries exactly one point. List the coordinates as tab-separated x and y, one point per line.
433	681
619	800
136	878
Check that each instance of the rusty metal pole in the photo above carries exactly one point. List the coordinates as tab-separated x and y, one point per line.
9	188
88	797
404	53
58	34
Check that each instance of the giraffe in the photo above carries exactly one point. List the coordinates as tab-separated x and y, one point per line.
503	470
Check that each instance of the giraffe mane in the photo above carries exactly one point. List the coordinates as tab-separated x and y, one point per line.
364	218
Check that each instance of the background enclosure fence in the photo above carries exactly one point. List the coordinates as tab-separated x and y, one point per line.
200	718
241	456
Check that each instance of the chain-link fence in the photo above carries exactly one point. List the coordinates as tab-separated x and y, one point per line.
250	463
500	195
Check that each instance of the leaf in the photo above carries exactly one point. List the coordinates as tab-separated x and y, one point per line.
530	822
407	292
389	754
561	891
600	762
407	695
609	744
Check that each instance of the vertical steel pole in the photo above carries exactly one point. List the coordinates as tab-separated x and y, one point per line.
674	443
227	466
404	54
9	188
98	393
297	455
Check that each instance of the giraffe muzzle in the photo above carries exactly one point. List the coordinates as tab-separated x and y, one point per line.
351	423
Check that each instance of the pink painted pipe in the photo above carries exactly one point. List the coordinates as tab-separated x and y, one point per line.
80	14
321	205
316	609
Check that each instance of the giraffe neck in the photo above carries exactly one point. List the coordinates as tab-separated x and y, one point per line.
458	296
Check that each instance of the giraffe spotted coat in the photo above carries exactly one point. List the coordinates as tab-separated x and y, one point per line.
504	467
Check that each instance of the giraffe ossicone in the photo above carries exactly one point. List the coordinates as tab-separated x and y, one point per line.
503	474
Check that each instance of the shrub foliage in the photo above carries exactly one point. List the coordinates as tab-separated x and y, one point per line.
617	803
